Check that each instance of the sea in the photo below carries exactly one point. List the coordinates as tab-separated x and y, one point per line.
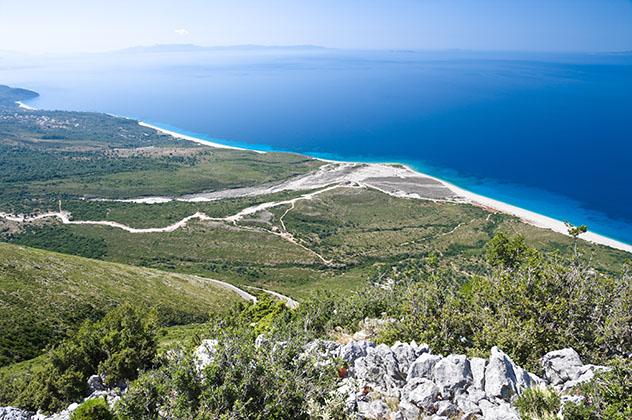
551	133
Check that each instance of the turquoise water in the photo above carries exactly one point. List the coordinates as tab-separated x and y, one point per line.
549	133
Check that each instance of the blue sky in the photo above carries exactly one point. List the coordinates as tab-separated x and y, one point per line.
532	25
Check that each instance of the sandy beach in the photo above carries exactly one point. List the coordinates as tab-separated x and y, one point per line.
395	179
24	106
194	139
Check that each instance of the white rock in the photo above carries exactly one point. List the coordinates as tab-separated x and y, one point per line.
586	374
466	405
409	411
446	408
423	366
95	383
13	413
452	374
205	354
405	354
354	350
501	411
373	410
380	370
477	364
424	394
561	366
500	376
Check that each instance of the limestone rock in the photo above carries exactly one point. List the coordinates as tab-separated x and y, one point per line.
424	394
409	411
373	410
446	409
561	366
354	350
205	354
380	369
12	413
452	374
501	411
423	366
500	376
477	365
95	383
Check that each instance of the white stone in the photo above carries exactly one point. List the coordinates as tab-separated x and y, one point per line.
452	374
423	366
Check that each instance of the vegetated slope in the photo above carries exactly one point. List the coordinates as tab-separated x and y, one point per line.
8	96
46	295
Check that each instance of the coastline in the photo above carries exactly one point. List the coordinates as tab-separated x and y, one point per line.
22	105
528	216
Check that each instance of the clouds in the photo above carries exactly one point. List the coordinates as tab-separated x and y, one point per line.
181	32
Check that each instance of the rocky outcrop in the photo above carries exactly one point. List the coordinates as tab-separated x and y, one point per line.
205	354
564	369
407	381
12	413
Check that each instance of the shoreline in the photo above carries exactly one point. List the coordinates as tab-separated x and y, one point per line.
527	216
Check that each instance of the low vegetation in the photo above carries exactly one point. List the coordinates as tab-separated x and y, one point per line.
45	296
527	302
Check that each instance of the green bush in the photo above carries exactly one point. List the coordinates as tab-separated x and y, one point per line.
538	403
117	347
607	396
528	304
95	409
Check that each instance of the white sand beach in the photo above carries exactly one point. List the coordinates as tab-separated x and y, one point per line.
377	175
24	106
194	139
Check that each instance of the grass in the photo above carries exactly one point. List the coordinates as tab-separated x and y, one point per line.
46	295
356	229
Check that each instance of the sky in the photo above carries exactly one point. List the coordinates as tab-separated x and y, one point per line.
64	26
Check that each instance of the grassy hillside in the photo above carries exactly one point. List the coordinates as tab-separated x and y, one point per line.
46	295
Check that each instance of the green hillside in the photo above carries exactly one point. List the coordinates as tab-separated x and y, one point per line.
46	295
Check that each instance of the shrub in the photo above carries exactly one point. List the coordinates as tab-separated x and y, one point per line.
528	304
94	409
118	346
538	403
607	396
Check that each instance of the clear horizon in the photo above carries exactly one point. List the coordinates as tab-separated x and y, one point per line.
73	26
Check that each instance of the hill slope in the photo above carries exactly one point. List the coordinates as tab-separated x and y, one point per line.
44	295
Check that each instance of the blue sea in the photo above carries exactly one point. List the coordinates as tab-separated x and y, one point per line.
551	133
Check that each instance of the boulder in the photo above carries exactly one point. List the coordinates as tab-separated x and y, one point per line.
205	354
561	366
446	409
586	373
409	411
424	394
467	406
452	374
376	409
380	370
354	350
95	383
13	413
423	366
477	365
474	394
502	411
500	376
405	354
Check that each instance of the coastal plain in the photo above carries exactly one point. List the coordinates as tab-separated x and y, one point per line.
111	189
